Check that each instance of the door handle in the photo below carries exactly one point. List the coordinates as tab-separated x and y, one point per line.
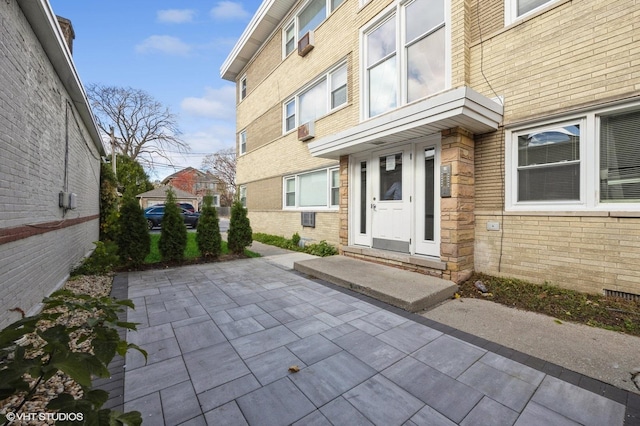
373	206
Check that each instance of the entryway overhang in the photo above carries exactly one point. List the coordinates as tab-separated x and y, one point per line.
462	107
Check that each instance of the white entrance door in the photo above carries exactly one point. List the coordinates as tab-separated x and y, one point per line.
391	192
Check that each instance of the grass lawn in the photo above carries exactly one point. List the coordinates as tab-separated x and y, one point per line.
191	252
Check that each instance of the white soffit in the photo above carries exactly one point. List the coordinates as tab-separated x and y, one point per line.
266	19
461	107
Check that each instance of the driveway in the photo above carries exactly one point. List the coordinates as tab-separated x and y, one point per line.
225	341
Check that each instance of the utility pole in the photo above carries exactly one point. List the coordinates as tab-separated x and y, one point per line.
113	150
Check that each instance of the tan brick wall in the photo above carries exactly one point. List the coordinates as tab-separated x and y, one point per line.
490	174
264	129
286	223
265	194
486	16
588	253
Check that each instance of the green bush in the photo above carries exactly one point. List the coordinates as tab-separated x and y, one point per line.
295	239
321	249
108	204
102	261
173	238
133	237
208	231
239	235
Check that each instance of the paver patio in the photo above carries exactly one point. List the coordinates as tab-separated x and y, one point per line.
221	338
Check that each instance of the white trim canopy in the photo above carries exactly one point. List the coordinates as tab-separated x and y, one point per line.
461	107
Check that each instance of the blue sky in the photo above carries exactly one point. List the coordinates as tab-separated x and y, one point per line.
171	49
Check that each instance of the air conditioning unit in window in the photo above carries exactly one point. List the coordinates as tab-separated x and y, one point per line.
309	219
307	131
306	43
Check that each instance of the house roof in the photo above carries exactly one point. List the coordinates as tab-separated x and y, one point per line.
266	19
161	192
46	28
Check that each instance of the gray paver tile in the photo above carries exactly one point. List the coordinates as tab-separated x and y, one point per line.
213	366
328	319
535	415
384	319
267	321
429	416
183	302
228	414
247	299
188	321
279	403
198	336
352	315
332	306
314	419
341	412
179	403
221	317
449	355
168	316
156	352
364	306
196	311
229	391
155	377
196	421
578	404
383	402
273	365
491	413
281	316
365	326
150	334
235	329
450	397
218	308
263	341
303	310
246	311
500	386
338	331
313	348
513	368
150	405
372	351
327	379
409	339
307	326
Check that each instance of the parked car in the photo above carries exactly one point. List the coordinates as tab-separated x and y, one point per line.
155	214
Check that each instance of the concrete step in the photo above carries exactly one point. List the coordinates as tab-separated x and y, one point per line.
407	290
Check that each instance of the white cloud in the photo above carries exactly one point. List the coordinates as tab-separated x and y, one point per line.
163	44
216	103
175	16
229	10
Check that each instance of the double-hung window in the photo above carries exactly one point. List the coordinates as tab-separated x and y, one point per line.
242	143
322	96
243	87
312	190
514	9
405	56
590	162
307	19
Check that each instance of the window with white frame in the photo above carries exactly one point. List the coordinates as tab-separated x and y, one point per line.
514	9
316	189
405	56
587	162
242	143
323	95
242	195
243	87
308	19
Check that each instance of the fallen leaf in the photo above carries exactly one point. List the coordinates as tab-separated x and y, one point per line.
294	369
557	321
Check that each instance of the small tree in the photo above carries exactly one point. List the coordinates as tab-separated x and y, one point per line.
240	233
208	236
108	203
134	243
173	239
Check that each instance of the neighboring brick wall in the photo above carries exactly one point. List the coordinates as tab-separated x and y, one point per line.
265	194
35	110
286	223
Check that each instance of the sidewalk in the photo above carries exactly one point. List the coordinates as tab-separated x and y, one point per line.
222	337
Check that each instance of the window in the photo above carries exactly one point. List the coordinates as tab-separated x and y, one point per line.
242	195
516	8
317	189
243	142
308	19
589	162
243	87
404	65
325	94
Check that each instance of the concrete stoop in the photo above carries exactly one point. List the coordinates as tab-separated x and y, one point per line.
407	290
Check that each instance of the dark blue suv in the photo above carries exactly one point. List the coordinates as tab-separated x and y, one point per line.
154	215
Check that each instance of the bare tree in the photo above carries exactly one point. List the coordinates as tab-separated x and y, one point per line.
222	164
143	127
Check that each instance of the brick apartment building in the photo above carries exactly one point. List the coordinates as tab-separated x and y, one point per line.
510	125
